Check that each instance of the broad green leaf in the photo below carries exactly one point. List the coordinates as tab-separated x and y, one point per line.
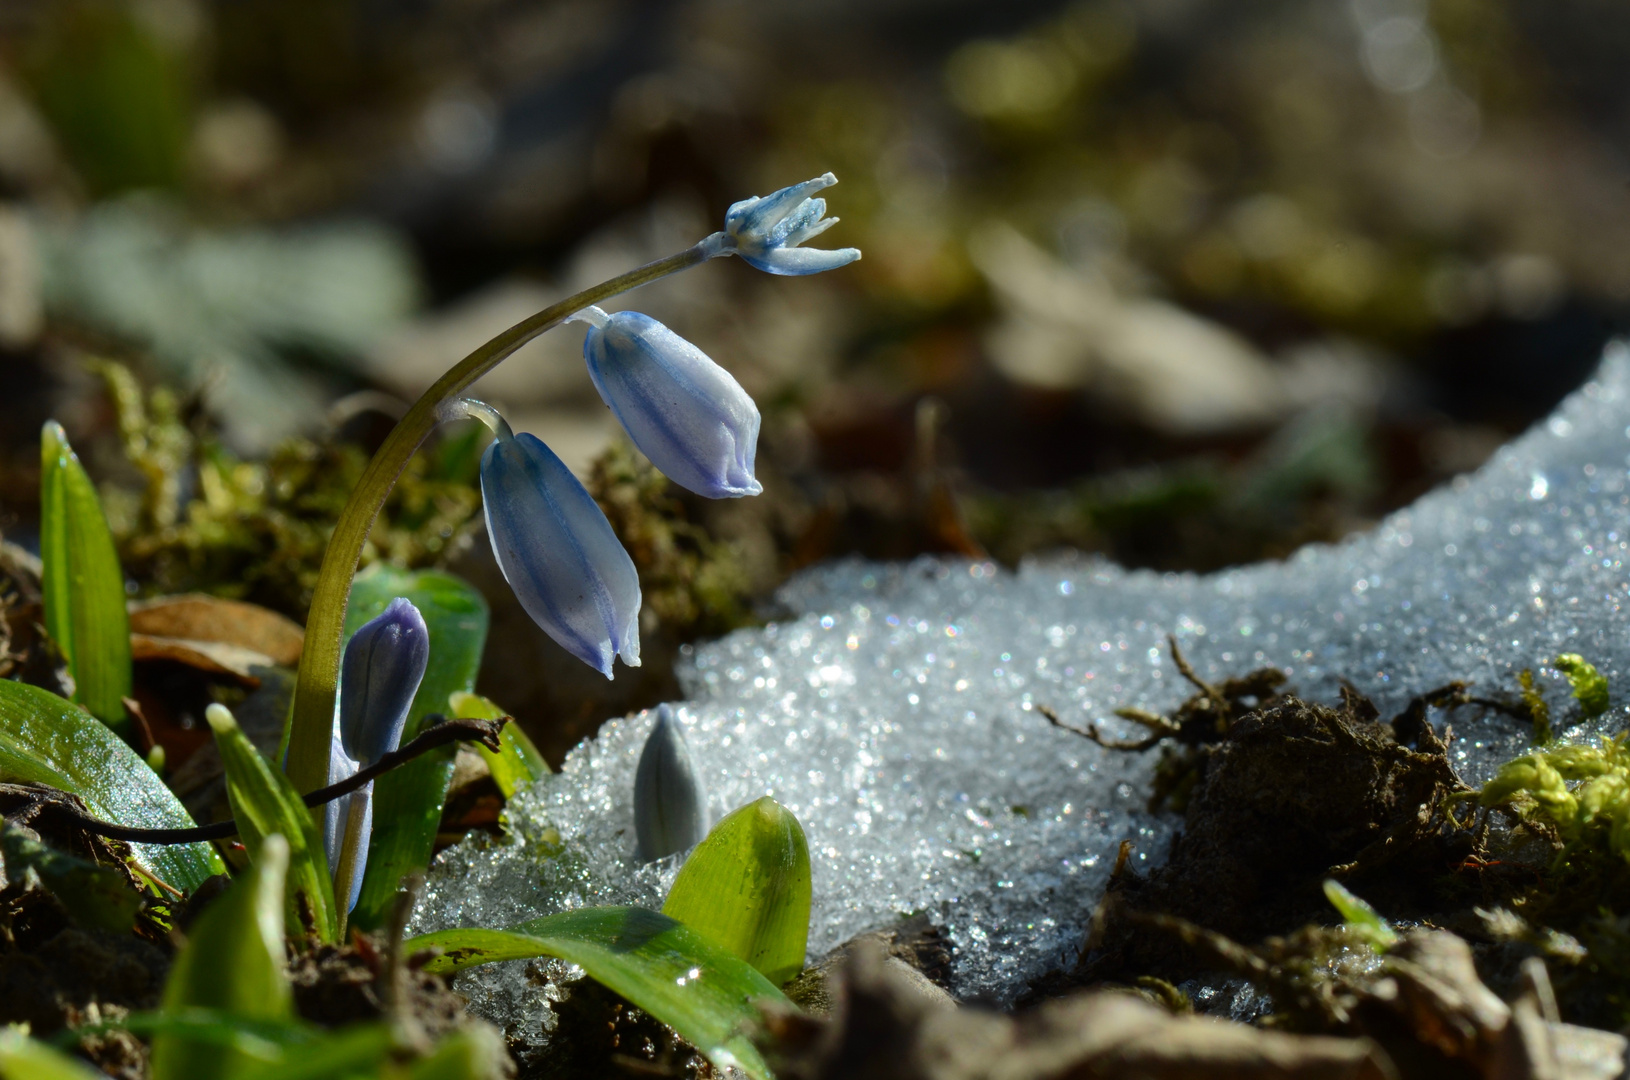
746	887
233	962
96	896
22	1058
517	764
1360	917
700	990
1589	685
83	585
48	740
408	800
265	803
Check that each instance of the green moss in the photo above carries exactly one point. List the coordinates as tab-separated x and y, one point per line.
1589	685
693	583
207	521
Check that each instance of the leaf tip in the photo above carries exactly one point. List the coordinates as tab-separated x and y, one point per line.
220	718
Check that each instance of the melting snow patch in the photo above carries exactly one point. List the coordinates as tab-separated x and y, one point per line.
894	712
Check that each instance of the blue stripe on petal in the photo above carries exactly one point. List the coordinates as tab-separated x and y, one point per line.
559	553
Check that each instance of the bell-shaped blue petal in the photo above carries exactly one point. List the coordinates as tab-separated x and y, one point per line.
670	807
685	412
340	767
767	231
384	663
559	553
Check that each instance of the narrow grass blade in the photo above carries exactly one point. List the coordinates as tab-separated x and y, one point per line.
684	980
517	764
355	1051
49	740
233	962
408	801
84	587
746	887
470	1054
265	803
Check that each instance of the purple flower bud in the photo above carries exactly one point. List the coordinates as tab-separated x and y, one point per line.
384	662
767	231
670	807
685	412
559	553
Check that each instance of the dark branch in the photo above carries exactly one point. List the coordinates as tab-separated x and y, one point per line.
485	732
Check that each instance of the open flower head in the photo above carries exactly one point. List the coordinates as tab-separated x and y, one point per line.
684	412
559	553
767	231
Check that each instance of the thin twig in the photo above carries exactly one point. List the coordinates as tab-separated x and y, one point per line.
447	731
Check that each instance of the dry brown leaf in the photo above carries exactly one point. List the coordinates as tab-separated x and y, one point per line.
884	1027
213	656
195	617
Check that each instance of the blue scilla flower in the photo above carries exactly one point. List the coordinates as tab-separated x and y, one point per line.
685	412
559	553
384	663
767	231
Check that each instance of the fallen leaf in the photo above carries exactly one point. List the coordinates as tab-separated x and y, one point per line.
195	617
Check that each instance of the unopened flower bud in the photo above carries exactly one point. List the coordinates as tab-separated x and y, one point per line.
384	663
670	807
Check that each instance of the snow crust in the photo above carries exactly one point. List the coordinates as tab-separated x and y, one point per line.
894	713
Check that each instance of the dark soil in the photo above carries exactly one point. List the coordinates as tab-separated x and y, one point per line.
54	974
1278	798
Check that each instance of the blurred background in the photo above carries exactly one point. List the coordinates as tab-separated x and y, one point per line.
1185	282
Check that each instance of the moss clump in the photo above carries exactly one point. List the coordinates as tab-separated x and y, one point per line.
205	520
693	583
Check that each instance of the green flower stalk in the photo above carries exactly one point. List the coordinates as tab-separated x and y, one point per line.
766	232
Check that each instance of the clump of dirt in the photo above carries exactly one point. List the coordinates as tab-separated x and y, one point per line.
336	985
1282	794
599	1035
54	974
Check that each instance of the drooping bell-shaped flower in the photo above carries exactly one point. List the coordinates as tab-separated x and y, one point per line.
767	231
670	807
559	553
685	412
383	665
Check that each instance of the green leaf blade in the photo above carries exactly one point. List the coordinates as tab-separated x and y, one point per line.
84	588
22	1058
264	803
408	801
1362	919
684	980
48	740
233	963
517	764
747	888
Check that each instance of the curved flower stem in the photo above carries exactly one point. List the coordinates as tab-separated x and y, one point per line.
312	715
